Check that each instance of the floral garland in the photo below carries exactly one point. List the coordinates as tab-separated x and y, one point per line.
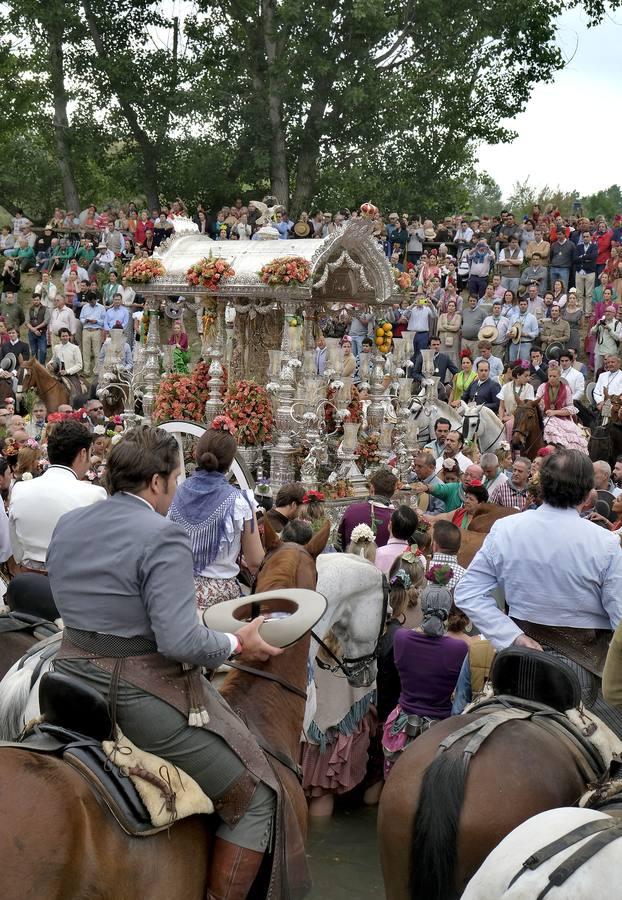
248	405
286	270
141	270
209	272
402	281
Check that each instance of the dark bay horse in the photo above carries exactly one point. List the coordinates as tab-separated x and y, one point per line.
438	820
527	433
69	845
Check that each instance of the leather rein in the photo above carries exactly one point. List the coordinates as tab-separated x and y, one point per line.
352	666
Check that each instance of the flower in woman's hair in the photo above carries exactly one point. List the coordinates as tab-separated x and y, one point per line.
32	443
412	555
362	534
26	476
99	429
401	579
440	574
224	423
115	440
313	496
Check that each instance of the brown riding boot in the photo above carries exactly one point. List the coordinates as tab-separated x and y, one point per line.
232	872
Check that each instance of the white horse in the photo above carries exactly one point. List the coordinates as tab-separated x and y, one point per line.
496	879
353	590
425	415
481	424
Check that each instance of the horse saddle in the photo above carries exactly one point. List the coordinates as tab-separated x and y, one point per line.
21	621
77	720
31	593
535	676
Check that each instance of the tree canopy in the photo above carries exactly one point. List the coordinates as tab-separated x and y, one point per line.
325	104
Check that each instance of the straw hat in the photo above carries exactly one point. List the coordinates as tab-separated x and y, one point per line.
488	333
302	229
516	333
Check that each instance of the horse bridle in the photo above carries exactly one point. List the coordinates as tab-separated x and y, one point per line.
478	414
352	666
527	447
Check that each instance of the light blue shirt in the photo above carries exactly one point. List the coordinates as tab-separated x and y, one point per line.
128	360
96	312
496	366
528	321
554	567
113	316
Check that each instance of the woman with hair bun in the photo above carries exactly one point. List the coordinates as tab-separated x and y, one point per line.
428	662
218	517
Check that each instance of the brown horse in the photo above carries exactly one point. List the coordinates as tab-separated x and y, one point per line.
486	514
438	820
48	387
528	430
69	845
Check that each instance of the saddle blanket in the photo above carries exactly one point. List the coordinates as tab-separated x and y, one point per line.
168	793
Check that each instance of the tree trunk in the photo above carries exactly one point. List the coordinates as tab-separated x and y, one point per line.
61	121
279	176
150	152
306	169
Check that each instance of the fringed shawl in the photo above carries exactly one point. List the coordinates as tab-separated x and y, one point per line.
204	506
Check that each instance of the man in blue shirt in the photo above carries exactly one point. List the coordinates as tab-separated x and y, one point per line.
116	316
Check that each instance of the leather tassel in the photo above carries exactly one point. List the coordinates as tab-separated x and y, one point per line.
198	716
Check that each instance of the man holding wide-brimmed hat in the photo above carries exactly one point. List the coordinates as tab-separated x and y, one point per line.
495	329
523	331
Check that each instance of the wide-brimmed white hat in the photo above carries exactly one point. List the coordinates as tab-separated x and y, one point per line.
290	613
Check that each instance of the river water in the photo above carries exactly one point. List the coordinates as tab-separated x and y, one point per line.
343	855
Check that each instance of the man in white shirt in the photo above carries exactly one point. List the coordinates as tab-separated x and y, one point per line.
573	378
453	450
67	354
561	576
609	381
37	505
62	317
47	290
494	475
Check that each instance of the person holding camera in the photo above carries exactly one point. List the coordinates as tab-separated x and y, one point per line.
608	333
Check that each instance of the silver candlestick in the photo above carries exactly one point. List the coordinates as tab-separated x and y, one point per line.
151	367
214	404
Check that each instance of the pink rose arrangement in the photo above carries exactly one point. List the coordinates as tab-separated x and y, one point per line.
209	272
248	405
141	270
286	270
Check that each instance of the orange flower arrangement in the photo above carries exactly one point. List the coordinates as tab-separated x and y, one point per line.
402	281
209	272
141	270
286	270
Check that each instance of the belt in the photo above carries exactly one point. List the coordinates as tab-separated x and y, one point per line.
111	645
33	564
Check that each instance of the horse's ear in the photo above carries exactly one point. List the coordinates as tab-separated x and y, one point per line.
271	540
318	541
